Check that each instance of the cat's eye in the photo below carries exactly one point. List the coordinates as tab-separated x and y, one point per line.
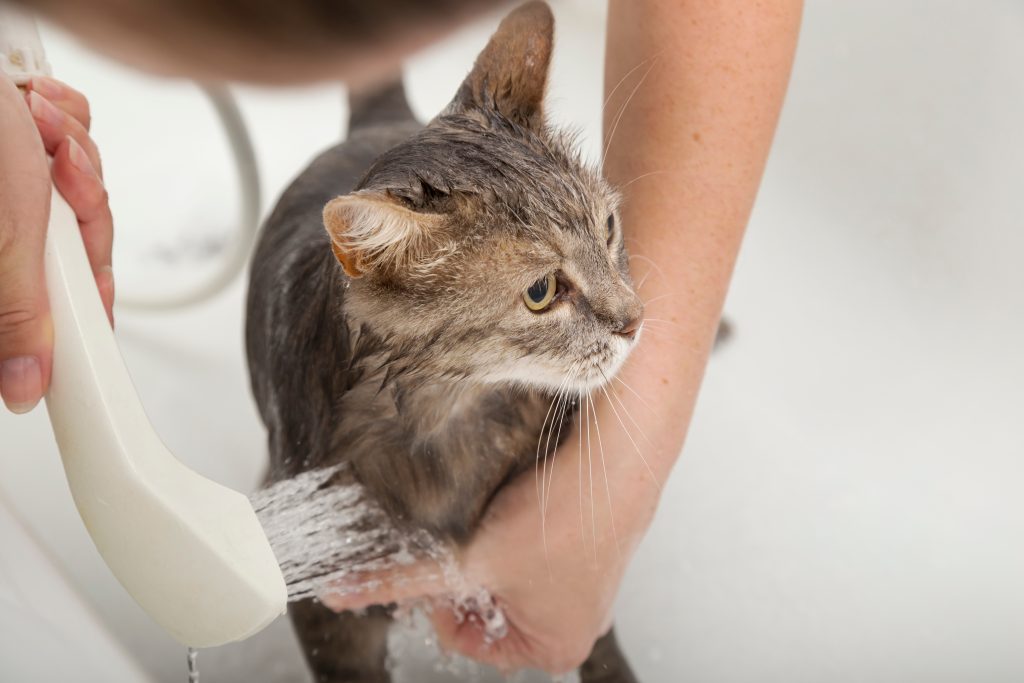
539	295
610	229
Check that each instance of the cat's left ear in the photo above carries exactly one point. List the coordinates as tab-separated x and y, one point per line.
511	74
372	230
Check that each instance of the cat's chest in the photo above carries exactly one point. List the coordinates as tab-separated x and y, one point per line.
435	457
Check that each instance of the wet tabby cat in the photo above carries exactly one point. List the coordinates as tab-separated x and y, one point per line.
468	269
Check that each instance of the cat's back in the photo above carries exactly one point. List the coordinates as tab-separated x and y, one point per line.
291	299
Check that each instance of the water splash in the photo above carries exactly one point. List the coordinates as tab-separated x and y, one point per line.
322	533
327	534
415	656
193	665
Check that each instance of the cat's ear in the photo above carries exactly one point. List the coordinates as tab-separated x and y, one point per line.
511	73
373	230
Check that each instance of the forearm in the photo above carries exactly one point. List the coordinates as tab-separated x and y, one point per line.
695	90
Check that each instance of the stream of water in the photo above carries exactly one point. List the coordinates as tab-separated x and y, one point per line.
324	533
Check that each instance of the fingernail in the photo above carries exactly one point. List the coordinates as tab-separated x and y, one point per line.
79	159
47	87
43	110
21	383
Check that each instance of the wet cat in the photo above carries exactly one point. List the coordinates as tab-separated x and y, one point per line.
469	269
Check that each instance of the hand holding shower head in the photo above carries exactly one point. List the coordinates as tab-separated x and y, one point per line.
190	551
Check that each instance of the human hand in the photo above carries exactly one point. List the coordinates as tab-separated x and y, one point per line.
55	122
556	587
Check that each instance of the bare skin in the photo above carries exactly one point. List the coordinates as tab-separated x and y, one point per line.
704	83
55	122
689	150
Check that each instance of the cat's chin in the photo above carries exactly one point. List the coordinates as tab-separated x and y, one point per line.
596	372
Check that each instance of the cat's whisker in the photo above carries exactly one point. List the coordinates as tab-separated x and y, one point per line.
566	406
623	80
590	468
546	456
664	327
607	490
579	478
622	110
634	392
657	298
629	436
540	438
540	500
654	268
560	404
540	466
672	334
660	320
642	281
628	415
640	177
549	455
649	260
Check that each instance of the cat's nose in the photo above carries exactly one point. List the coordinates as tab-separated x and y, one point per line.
628	328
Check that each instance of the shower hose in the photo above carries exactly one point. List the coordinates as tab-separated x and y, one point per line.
236	252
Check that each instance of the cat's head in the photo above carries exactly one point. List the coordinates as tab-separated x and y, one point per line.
482	247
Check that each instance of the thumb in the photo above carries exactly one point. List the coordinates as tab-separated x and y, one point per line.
25	330
398	584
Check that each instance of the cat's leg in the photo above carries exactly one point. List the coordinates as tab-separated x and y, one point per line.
606	663
343	647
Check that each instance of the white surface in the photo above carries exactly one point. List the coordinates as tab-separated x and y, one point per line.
40	614
848	506
189	550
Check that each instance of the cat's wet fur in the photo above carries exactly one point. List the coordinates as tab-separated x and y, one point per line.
398	340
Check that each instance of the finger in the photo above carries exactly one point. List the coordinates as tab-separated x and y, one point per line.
81	186
466	635
25	331
54	125
456	632
64	97
395	585
26	335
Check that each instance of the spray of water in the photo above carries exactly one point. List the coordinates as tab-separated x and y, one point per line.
328	535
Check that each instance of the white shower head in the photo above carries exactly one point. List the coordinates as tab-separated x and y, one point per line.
190	551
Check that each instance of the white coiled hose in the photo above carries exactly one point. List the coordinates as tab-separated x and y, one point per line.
236	253
21	55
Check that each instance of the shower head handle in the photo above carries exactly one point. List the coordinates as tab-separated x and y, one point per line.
191	552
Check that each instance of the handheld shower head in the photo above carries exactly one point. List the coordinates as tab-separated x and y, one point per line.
21	50
190	551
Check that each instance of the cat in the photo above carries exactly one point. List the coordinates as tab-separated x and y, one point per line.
418	297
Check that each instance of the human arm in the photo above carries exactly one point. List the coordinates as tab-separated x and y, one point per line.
700	86
49	118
